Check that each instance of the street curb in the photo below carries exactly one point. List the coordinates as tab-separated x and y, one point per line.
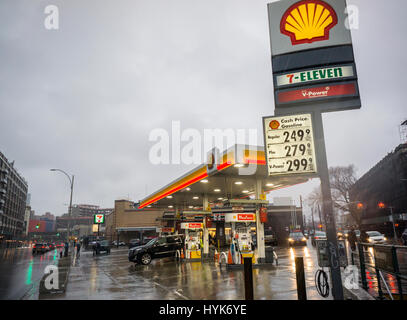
356	294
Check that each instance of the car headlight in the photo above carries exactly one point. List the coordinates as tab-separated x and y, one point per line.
384	238
304	239
289	239
370	240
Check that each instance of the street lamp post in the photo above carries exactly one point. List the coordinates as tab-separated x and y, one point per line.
394	227
71	181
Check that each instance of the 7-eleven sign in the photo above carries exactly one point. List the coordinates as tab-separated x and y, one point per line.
99	218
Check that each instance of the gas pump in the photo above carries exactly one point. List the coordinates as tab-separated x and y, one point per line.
241	245
193	237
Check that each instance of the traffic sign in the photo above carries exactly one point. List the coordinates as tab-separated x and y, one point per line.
289	144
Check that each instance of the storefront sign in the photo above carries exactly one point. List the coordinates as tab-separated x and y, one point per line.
164	229
324	92
289	144
240	217
191	225
307	76
99	218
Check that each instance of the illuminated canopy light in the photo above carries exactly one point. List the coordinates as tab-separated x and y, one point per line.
195	198
239	165
216	190
270	184
204	181
245	191
238	182
169	197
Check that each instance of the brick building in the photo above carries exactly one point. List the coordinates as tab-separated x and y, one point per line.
127	223
386	182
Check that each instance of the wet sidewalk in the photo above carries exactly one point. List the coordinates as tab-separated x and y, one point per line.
113	277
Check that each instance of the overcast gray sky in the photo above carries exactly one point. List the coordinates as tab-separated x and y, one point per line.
84	98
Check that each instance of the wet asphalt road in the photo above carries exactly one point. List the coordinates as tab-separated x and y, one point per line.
114	277
21	271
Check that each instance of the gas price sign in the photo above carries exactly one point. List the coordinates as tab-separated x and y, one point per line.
289	144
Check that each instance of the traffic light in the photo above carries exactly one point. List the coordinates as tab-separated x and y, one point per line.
381	205
37	226
359	205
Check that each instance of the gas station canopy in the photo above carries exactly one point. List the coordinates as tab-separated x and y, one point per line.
230	175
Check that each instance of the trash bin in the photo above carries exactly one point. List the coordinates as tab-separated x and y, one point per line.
269	254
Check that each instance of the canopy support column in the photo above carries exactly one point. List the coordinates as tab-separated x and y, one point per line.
261	252
205	229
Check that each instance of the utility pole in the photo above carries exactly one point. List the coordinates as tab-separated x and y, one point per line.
320	218
312	216
392	220
71	182
327	208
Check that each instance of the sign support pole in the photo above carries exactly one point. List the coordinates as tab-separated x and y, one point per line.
327	208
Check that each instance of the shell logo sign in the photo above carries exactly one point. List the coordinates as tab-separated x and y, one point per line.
308	21
274	125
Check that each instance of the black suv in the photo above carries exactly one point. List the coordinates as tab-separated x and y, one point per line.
104	246
156	248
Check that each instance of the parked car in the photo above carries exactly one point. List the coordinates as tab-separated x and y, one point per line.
134	243
297	238
404	237
104	247
342	235
147	240
40	248
51	246
375	237
318	235
161	247
270	238
59	245
121	243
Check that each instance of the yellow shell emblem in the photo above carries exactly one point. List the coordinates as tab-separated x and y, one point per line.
308	21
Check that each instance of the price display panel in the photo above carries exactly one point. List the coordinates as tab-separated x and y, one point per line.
289	145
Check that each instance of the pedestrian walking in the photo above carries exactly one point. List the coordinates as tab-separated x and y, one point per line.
78	249
66	249
352	239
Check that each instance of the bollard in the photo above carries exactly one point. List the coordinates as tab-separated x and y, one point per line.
300	274
248	278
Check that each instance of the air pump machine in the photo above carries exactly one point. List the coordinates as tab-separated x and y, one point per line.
241	244
192	239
